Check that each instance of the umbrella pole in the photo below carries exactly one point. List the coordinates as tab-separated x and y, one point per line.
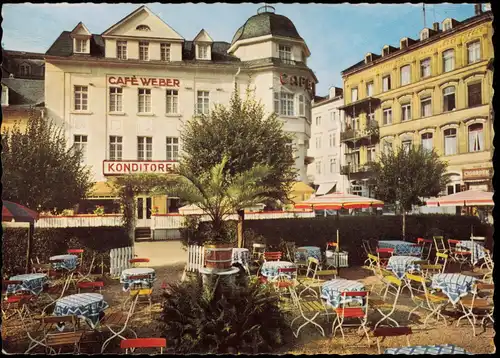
28	249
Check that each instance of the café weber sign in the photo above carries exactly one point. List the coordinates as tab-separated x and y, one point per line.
143	81
298	81
123	167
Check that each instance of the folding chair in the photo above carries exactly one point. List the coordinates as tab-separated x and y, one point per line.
440	244
301	264
119	320
332	262
86	276
58	288
488	265
132	344
426	246
383	255
138	261
393	287
41	268
17	305
310	277
97	285
136	289
367	247
290	250
477	307
287	277
272	256
383	332
425	300
360	313
458	255
77	252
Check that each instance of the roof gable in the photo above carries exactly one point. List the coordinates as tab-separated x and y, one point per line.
81	30
203	36
142	16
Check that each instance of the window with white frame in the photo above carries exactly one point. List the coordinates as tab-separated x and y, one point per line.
446	25
318	167
121	50
476	137
425	68
427	144
318	120
318	142
450	141
369	89
332	116
5	95
80	144
370	153
144	50
301	105
333	165
115	147
387	116
448	60
285	53
283	103
386	83
81	46
424	35
449	99
474	52
165	52
24	69
172	105
202	102
144	148
354	94
474	97
81	98
144	100
426	107
406	145
172	148
331	139
115	99
203	51
405	75
405	112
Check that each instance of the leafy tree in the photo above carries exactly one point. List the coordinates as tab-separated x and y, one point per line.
242	132
39	171
403	177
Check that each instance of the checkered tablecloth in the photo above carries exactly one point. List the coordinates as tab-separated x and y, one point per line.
32	282
475	248
401	247
331	291
402	264
88	305
241	256
270	268
70	262
124	277
453	285
312	251
432	350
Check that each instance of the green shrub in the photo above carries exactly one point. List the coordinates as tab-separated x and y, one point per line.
56	241
239	318
197	232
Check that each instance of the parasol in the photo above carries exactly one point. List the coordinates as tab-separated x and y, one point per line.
464	198
13	211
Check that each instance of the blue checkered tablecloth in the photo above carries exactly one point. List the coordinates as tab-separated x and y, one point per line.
475	248
331	291
453	285
241	256
124	277
88	305
432	350
402	264
269	269
32	282
312	251
70	262
401	247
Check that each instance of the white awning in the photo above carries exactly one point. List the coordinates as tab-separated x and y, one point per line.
325	188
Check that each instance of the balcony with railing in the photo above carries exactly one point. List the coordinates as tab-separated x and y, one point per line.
355	168
371	131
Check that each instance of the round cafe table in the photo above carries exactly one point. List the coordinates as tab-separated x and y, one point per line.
137	271
312	251
332	290
86	305
70	262
32	282
269	269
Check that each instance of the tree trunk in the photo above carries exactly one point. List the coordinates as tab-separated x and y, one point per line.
31	228
129	213
241	219
404	225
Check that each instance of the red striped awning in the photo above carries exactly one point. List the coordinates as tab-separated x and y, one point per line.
13	211
336	201
464	198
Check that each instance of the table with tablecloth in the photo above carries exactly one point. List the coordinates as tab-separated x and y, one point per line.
241	256
269	269
32	282
432	350
70	262
453	285
87	305
401	248
137	271
331	291
475	248
402	264
312	251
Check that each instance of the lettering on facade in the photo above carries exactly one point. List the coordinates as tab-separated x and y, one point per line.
478	173
298	81
120	167
144	81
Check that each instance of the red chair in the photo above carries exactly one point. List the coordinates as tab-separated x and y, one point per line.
77	252
97	285
287	277
134	343
272	256
458	255
360	313
384	255
137	261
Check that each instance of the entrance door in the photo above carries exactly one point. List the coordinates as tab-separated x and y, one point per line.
144	211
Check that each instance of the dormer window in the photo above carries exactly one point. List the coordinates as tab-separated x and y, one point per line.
81	46
24	69
424	35
403	43
447	25
385	51
203	52
285	53
143	28
368	58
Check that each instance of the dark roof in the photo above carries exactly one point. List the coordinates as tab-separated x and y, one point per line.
267	23
219	52
11	61
25	91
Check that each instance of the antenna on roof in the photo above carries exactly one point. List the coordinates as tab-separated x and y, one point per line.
423	9
266	8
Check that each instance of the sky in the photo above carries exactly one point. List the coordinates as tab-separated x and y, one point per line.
338	35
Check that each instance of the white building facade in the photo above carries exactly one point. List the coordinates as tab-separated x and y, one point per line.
124	95
325	146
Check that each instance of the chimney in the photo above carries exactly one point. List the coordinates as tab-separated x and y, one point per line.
334	92
478	9
435	26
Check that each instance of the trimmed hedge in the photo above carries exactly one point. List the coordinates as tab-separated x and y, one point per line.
56	241
353	229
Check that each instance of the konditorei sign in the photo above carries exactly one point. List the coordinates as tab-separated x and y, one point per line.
143	81
477	173
123	167
297	81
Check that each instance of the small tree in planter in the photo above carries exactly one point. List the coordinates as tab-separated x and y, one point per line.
219	195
